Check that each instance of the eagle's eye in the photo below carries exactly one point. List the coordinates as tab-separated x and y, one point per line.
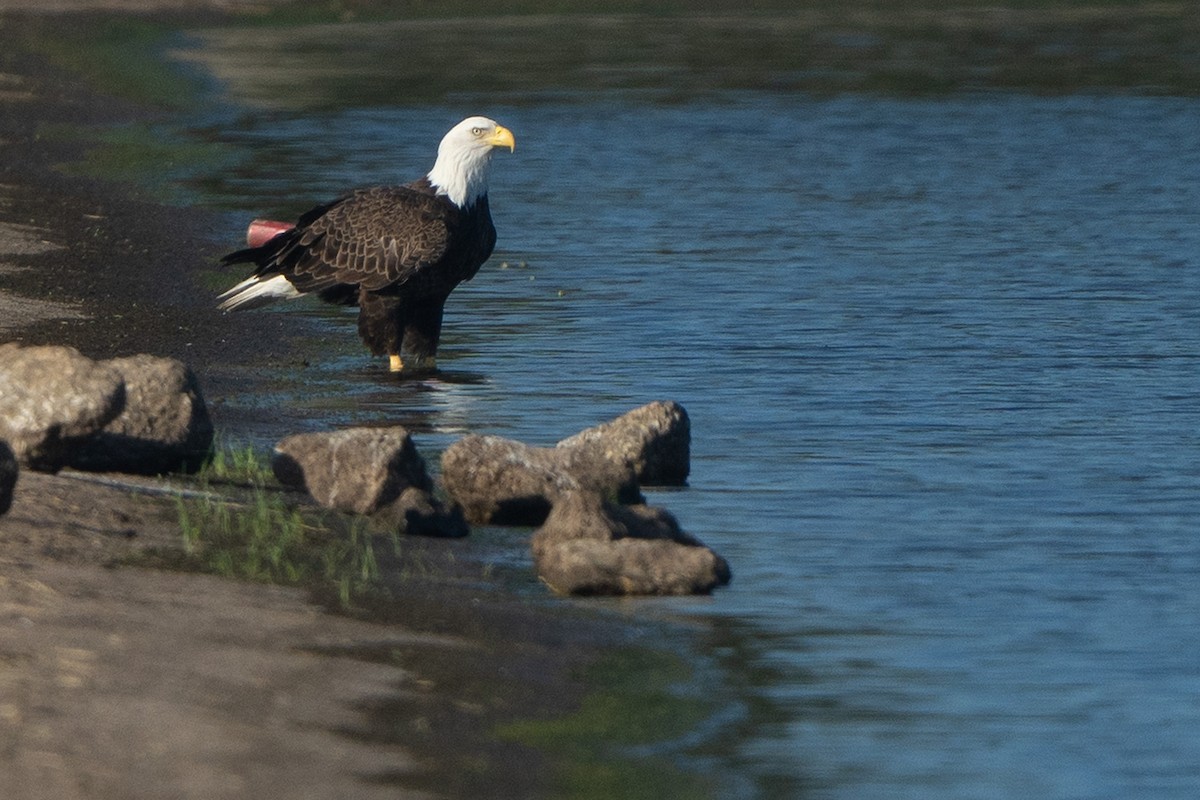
477	131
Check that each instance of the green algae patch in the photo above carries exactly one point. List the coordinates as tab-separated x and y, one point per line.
621	740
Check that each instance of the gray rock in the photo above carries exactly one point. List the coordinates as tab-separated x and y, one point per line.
8	476
366	471
164	426
504	482
654	440
51	399
591	546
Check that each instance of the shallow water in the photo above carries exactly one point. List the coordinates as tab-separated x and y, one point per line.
940	357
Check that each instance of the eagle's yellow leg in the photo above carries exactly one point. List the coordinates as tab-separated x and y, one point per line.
396	364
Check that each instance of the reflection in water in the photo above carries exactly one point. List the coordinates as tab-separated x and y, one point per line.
349	391
777	46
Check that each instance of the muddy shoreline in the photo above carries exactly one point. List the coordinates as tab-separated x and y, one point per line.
119	681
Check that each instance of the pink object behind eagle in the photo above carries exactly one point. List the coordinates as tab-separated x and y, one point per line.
262	231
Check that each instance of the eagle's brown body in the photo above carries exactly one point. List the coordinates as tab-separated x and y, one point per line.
395	251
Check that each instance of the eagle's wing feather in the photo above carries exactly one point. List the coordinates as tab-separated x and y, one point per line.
375	238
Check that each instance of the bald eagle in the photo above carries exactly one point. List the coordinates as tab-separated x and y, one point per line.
394	251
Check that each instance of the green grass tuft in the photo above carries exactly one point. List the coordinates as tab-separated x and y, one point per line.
236	464
257	533
266	540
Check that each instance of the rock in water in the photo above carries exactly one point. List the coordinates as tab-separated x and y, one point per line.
52	399
8	476
654	440
591	546
504	482
366	471
164	426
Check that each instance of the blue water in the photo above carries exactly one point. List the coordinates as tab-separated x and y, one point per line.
942	362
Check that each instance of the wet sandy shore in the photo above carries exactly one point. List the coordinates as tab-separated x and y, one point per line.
118	681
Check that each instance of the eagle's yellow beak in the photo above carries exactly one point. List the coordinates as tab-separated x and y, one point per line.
503	138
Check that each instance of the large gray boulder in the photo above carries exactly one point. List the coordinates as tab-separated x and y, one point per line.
8	476
654	440
366	471
589	545
52	399
504	482
164	426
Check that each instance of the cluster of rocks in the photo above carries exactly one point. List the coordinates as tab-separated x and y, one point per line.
142	414
594	533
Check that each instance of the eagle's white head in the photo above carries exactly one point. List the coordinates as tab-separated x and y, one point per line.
465	156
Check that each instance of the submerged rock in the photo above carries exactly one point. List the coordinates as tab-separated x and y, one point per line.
366	471
654	440
591	546
163	427
8	476
504	482
53	398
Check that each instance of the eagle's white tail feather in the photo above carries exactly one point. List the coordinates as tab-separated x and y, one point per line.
254	292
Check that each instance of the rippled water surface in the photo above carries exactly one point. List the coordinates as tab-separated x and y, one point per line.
942	362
